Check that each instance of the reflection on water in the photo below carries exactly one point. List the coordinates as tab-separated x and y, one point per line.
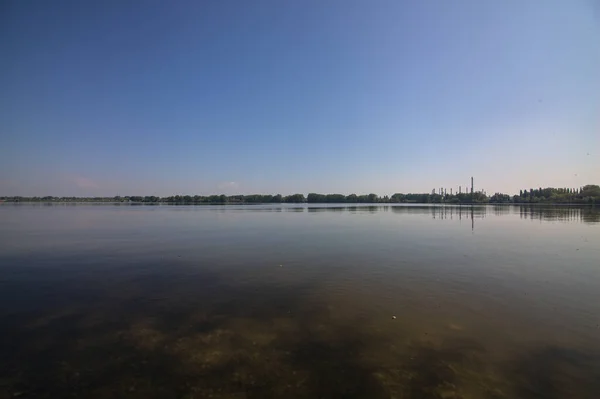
299	301
583	214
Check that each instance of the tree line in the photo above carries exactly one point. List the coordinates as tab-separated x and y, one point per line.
173	199
586	194
589	194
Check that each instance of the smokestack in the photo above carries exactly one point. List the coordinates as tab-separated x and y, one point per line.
471	184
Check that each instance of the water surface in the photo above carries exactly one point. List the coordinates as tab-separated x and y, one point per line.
299	301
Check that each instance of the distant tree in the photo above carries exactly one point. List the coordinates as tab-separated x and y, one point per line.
335	198
591	190
316	198
585	194
294	198
397	197
352	198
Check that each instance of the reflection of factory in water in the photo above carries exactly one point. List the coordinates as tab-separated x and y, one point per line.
459	212
532	212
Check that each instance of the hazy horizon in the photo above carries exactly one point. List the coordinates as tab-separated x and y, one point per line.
150	98
455	191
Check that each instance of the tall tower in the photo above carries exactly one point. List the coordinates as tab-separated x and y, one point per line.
471	191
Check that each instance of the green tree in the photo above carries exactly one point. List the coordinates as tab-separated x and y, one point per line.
315	198
294	198
398	197
335	198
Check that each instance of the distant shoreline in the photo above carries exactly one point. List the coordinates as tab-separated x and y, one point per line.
586	195
329	204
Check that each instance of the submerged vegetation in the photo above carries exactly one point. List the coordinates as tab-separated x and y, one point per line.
589	194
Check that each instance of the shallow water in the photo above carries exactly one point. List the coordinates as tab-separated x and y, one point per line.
299	301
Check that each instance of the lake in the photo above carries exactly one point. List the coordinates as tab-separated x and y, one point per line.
382	301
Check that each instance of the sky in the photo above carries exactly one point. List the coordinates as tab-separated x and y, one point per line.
104	98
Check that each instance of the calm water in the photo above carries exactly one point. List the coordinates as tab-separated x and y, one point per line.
270	301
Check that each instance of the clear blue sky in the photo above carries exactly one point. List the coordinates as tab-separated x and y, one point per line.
199	97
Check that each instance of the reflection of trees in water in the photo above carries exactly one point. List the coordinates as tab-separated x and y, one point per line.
419	209
560	213
585	214
299	209
501	210
327	209
354	209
